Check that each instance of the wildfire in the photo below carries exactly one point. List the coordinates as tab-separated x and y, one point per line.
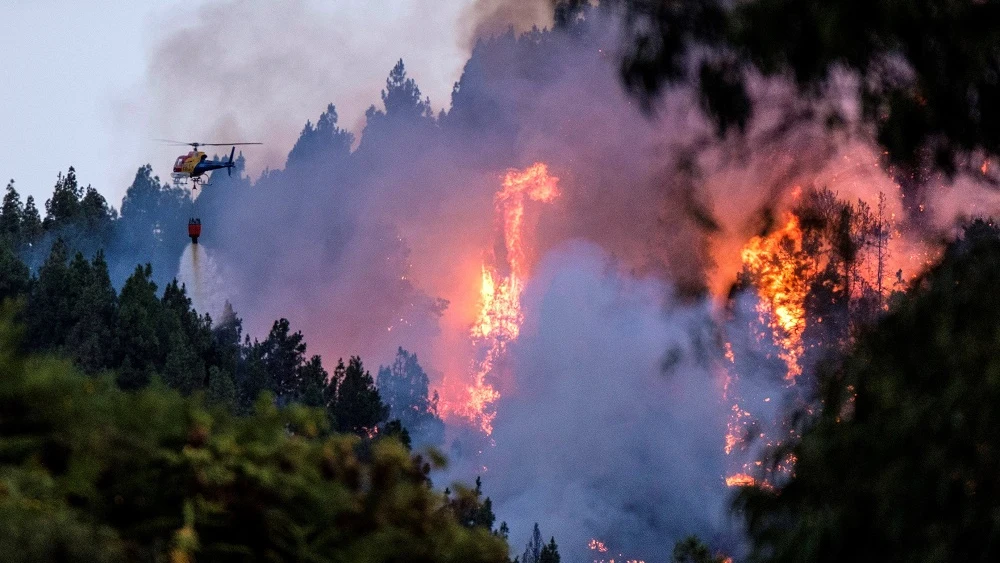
778	269
740	480
597	545
499	319
782	281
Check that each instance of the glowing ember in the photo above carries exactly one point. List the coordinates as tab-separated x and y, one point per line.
740	480
597	545
735	428
499	319
781	277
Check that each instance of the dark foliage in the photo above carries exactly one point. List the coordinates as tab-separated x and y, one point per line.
900	464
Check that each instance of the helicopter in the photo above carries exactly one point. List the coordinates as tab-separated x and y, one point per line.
194	164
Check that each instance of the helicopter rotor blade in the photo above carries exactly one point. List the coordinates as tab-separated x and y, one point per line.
196	145
226	144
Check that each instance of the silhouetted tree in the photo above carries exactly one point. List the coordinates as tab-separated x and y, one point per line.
152	227
11	216
138	330
50	311
188	339
358	407
15	279
324	142
550	553
91	341
31	226
533	551
283	353
403	387
64	206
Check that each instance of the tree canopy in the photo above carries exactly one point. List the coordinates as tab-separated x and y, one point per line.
89	472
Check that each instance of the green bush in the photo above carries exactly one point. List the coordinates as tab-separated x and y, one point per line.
89	472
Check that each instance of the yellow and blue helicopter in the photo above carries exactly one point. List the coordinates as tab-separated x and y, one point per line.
196	163
193	166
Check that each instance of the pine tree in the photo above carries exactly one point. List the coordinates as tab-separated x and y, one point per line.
221	389
50	311
190	340
323	142
358	408
313	382
152	222
15	278
401	96
251	378
31	226
11	216
64	206
403	387
91	339
550	553
138	330
225	352
94	208
470	509
533	551
283	355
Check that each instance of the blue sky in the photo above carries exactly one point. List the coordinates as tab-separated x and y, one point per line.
91	83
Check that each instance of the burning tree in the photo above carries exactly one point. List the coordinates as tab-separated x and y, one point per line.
805	291
901	462
499	319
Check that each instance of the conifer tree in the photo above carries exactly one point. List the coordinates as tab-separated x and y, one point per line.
283	353
358	408
15	278
31	226
550	553
11	216
64	206
533	551
91	340
403	387
138	330
52	302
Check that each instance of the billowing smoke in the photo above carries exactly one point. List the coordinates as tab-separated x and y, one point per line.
487	18
595	438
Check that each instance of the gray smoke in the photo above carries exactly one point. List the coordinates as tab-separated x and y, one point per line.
595	440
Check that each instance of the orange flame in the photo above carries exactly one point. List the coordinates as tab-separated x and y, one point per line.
740	480
782	280
499	319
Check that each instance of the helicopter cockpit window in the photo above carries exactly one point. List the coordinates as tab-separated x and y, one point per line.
180	161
